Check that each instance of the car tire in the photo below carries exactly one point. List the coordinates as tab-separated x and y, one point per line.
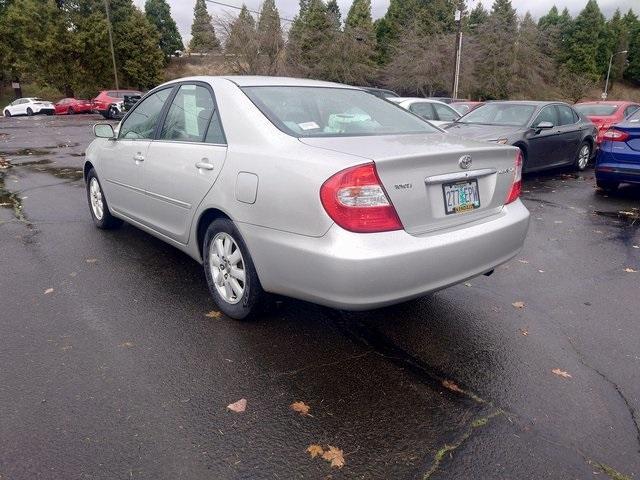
583	156
607	186
70	111
98	206
7	113
29	112
230	272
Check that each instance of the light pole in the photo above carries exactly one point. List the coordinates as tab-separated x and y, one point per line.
113	54
606	85
456	69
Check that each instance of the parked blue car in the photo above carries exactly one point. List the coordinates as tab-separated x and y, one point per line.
618	159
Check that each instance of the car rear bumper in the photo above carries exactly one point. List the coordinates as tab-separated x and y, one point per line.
354	271
45	111
607	169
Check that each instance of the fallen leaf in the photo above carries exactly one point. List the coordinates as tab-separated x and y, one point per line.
91	260
239	406
524	332
213	314
48	291
518	304
522	261
630	270
300	407
315	450
467	284
127	345
561	373
335	456
452	386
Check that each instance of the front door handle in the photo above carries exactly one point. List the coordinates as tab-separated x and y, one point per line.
204	166
138	157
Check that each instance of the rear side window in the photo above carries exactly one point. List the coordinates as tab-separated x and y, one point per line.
565	115
142	122
548	114
446	113
424	109
189	115
630	110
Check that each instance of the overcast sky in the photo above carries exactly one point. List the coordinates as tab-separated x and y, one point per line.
182	10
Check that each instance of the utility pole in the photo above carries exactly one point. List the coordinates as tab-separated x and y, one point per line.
606	85
458	54
113	54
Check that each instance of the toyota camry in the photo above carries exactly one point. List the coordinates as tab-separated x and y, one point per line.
307	189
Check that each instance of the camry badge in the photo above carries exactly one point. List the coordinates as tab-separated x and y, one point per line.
465	161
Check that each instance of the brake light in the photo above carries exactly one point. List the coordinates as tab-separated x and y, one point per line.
355	199
614	135
516	186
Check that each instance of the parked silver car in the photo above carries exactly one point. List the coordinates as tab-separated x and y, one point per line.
308	189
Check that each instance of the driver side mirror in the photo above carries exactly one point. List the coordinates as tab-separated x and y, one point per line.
544	126
104	130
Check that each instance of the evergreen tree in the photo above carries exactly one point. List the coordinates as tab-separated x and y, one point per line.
582	48
203	35
158	12
478	16
242	44
632	24
496	51
333	10
616	39
359	16
270	39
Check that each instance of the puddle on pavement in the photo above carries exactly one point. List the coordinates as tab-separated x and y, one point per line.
627	217
12	200
25	152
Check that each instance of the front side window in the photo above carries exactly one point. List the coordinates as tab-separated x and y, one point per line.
424	109
508	114
332	112
141	122
548	114
446	113
630	110
189	115
565	115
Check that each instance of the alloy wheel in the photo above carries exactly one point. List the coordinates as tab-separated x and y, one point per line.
583	156
95	194
227	268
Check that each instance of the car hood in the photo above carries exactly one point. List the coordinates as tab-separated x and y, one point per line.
483	132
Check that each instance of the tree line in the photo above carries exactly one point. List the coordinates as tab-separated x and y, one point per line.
63	44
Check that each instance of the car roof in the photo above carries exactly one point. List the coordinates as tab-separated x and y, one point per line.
265	81
535	103
607	102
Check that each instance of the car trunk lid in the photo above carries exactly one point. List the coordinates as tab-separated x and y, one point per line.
417	171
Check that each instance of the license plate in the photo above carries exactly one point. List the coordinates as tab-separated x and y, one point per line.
460	197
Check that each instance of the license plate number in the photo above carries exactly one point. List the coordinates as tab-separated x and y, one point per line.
461	197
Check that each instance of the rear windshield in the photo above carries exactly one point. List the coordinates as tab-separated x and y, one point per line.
333	112
38	100
596	110
500	114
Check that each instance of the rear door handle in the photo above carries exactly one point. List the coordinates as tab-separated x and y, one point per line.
138	157
204	166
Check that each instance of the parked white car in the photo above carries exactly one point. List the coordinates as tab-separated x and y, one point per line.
28	106
438	113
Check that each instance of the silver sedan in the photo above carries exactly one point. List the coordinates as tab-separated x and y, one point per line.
307	189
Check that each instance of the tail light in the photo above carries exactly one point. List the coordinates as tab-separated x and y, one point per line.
614	135
516	186
604	126
355	199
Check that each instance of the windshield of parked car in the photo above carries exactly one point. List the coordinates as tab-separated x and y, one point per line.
596	110
332	112
510	114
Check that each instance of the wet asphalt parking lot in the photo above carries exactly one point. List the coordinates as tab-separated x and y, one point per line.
110	367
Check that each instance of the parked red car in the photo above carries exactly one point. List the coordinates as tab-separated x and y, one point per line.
106	99
69	106
464	107
604	114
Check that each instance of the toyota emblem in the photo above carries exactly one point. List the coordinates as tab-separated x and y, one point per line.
465	161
